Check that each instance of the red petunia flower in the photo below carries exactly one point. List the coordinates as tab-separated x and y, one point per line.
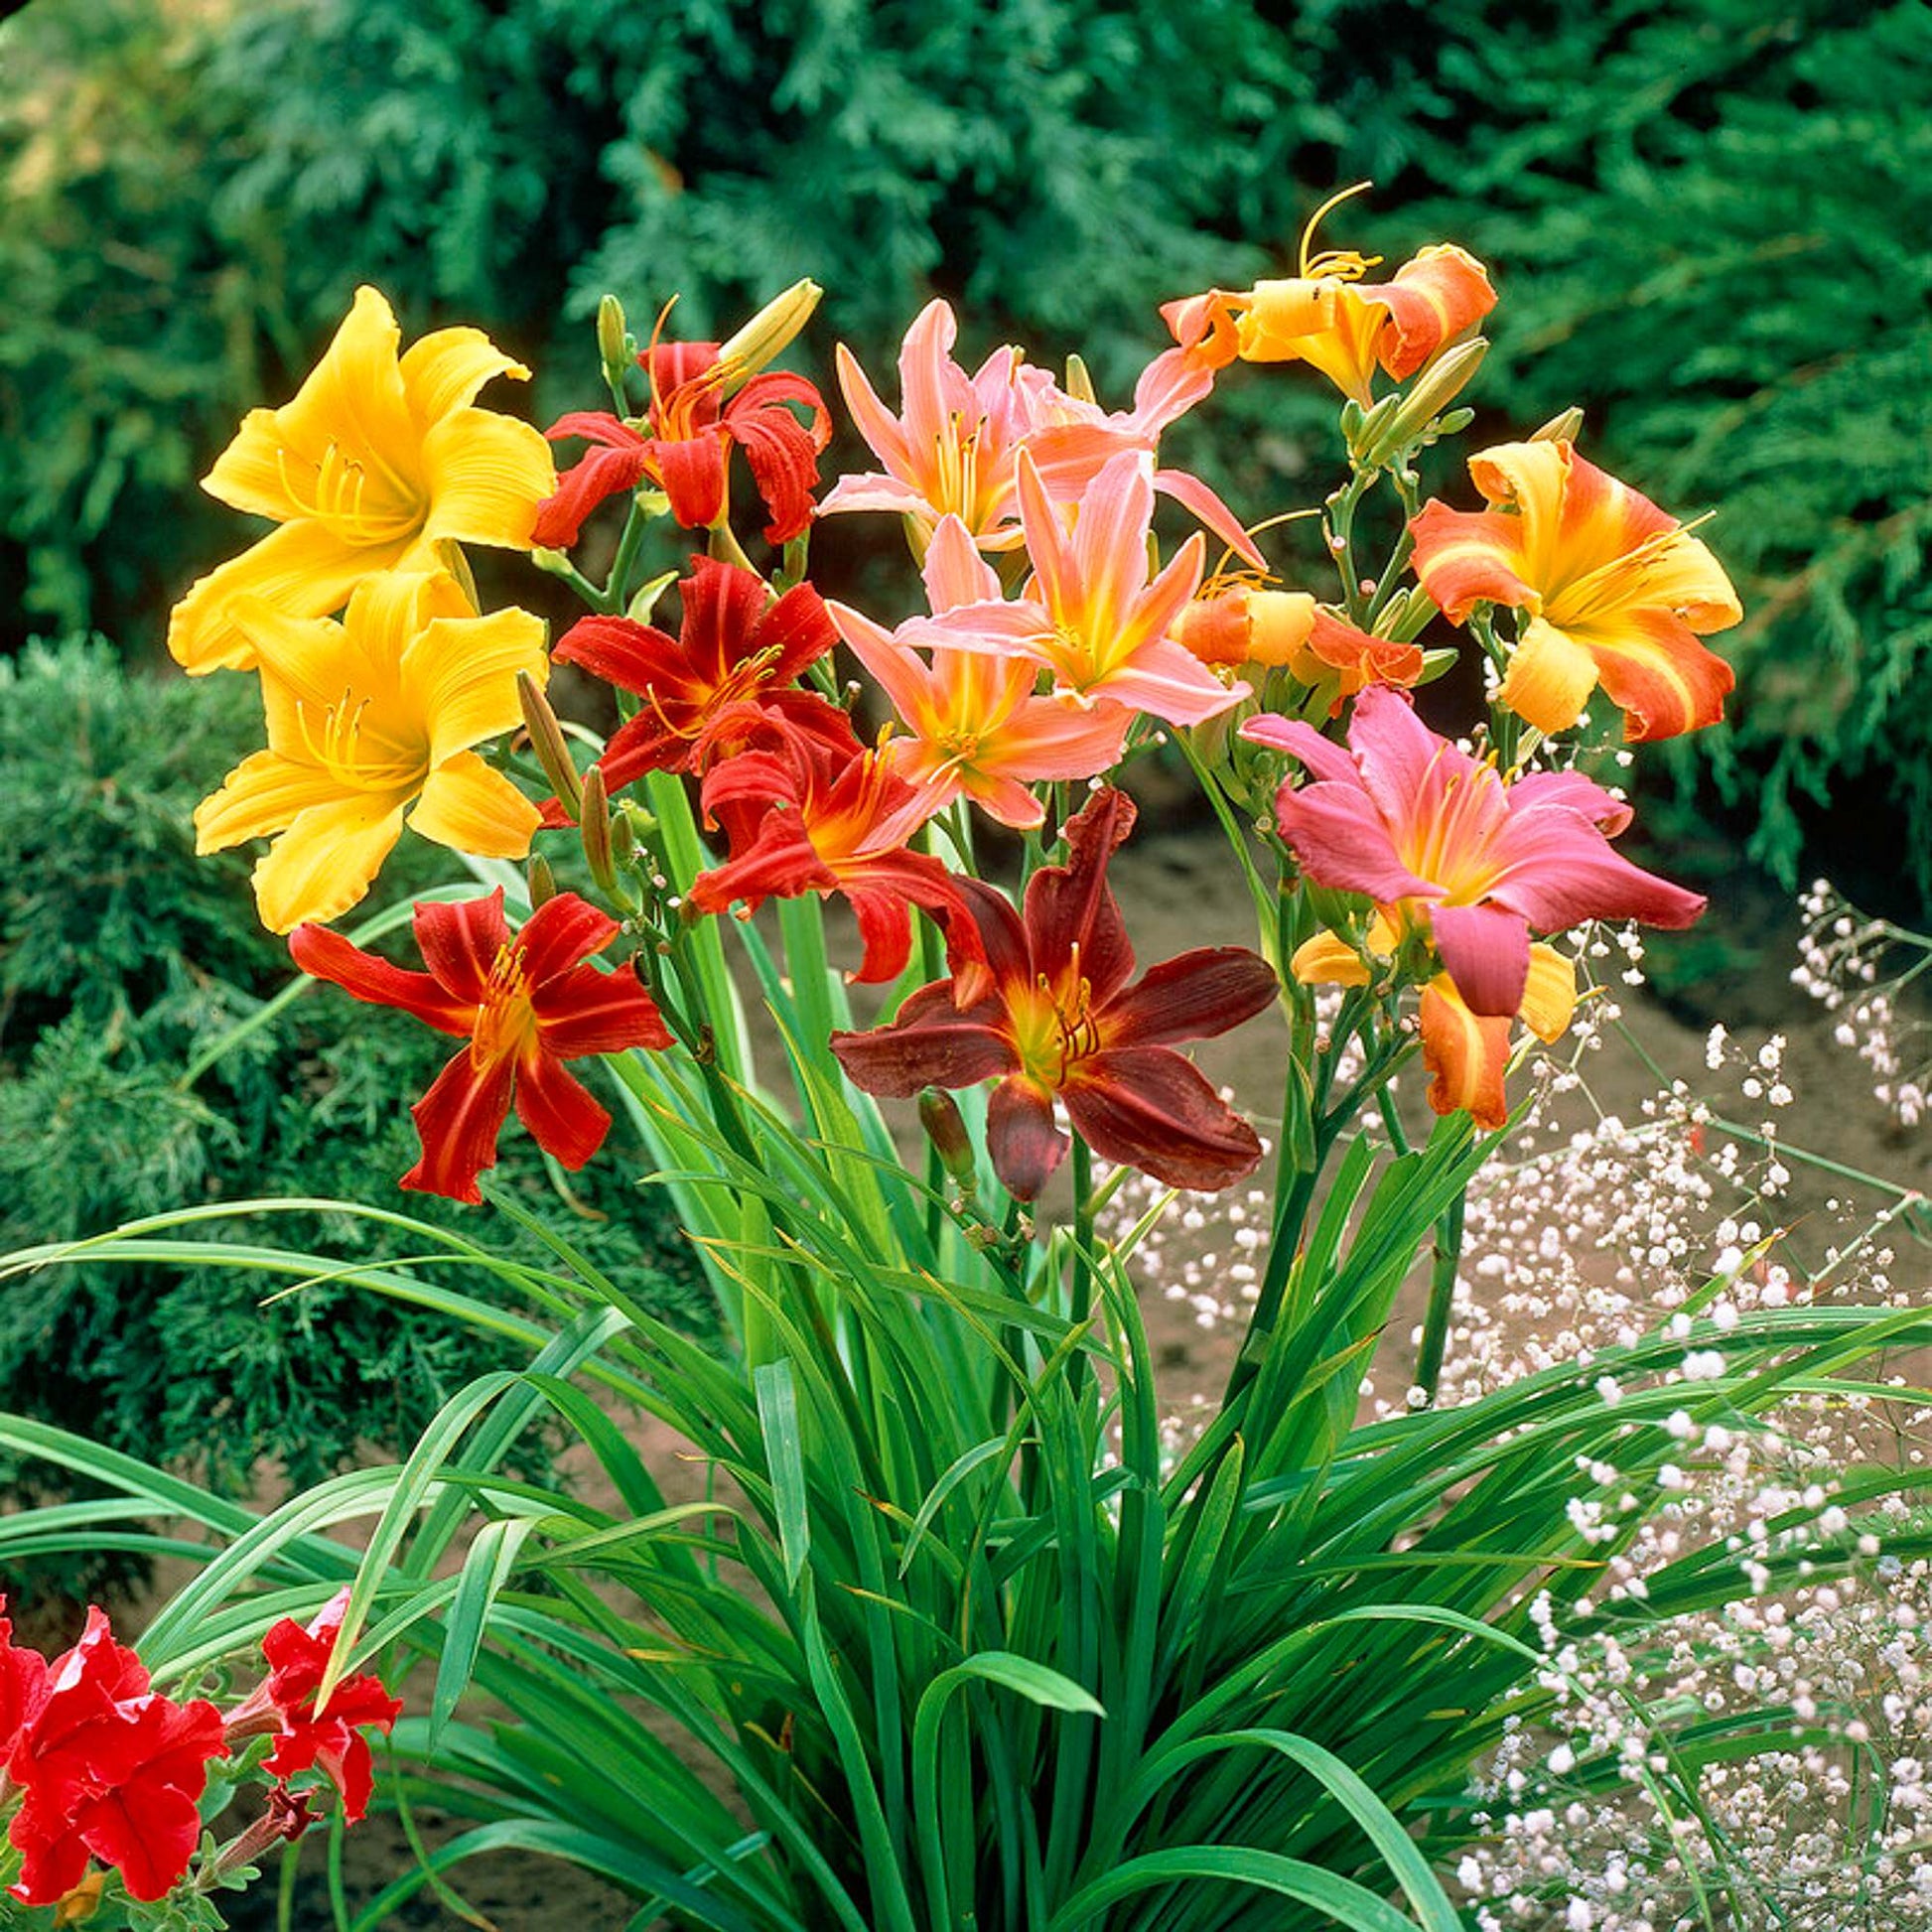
801	819
1061	1021
734	658
684	446
526	1001
110	1769
284	1704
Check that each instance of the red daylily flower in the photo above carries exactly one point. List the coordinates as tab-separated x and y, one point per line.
1061	1021
684	446
112	1770
801	820
733	659
526	1001
284	1704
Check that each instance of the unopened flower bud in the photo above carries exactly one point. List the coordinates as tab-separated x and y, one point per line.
1244	625
547	742
945	1128
542	881
1436	388
555	562
1560	429
769	332
623	839
594	826
1080	385
613	344
644	599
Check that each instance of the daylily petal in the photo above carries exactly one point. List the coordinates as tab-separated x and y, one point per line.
1322	756
1022	1141
561	935
1486	951
600	1012
1343	842
1465	1055
442	371
1657	673
469	806
1195	496
1550	678
1192	996
1549	992
694	476
954	572
558	1110
460	941
1327	960
326	859
264	794
354	398
252	472
596	477
303	569
1071	911
462	673
871	418
1169	683
1146	1107
929	1043
327	955
1469	557
1558	869
458	1120
487	474
1432	299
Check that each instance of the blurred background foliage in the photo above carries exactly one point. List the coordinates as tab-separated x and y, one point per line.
1708	223
124	959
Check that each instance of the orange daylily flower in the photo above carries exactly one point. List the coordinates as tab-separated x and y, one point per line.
1329	317
367	717
380	463
1615	590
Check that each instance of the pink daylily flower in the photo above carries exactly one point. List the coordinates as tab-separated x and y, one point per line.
1442	841
1092	617
976	727
953	448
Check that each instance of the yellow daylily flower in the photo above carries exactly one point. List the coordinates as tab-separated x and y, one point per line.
380	463
365	718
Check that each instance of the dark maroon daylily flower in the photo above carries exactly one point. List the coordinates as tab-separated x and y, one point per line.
735	656
684	447
1061	1020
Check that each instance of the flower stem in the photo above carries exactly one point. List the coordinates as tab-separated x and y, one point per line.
1441	1296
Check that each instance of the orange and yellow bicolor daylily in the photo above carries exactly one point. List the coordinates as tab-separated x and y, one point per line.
1613	591
367	717
380	463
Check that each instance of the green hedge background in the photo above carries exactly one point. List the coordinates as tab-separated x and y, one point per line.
1708	219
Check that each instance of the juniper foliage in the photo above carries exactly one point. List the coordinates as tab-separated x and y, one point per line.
122	958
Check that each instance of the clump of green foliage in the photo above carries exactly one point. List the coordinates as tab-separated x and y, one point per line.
1629	171
124	961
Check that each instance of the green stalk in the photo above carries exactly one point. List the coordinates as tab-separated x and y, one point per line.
1441	1295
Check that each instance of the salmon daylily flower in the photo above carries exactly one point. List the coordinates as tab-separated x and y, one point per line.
1060	1021
684	446
380	463
953	450
1335	652
526	1001
1451	853
976	727
1093	619
365	717
1234	623
803	819
1613	591
1329	317
731	666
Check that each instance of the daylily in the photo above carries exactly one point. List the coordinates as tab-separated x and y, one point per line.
976	727
526	1001
953	450
1455	856
365	717
1335	652
110	1770
802	820
1235	622
380	463
1329	317
283	1706
1093	618
737	651
684	446
1060	1021
1613	590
